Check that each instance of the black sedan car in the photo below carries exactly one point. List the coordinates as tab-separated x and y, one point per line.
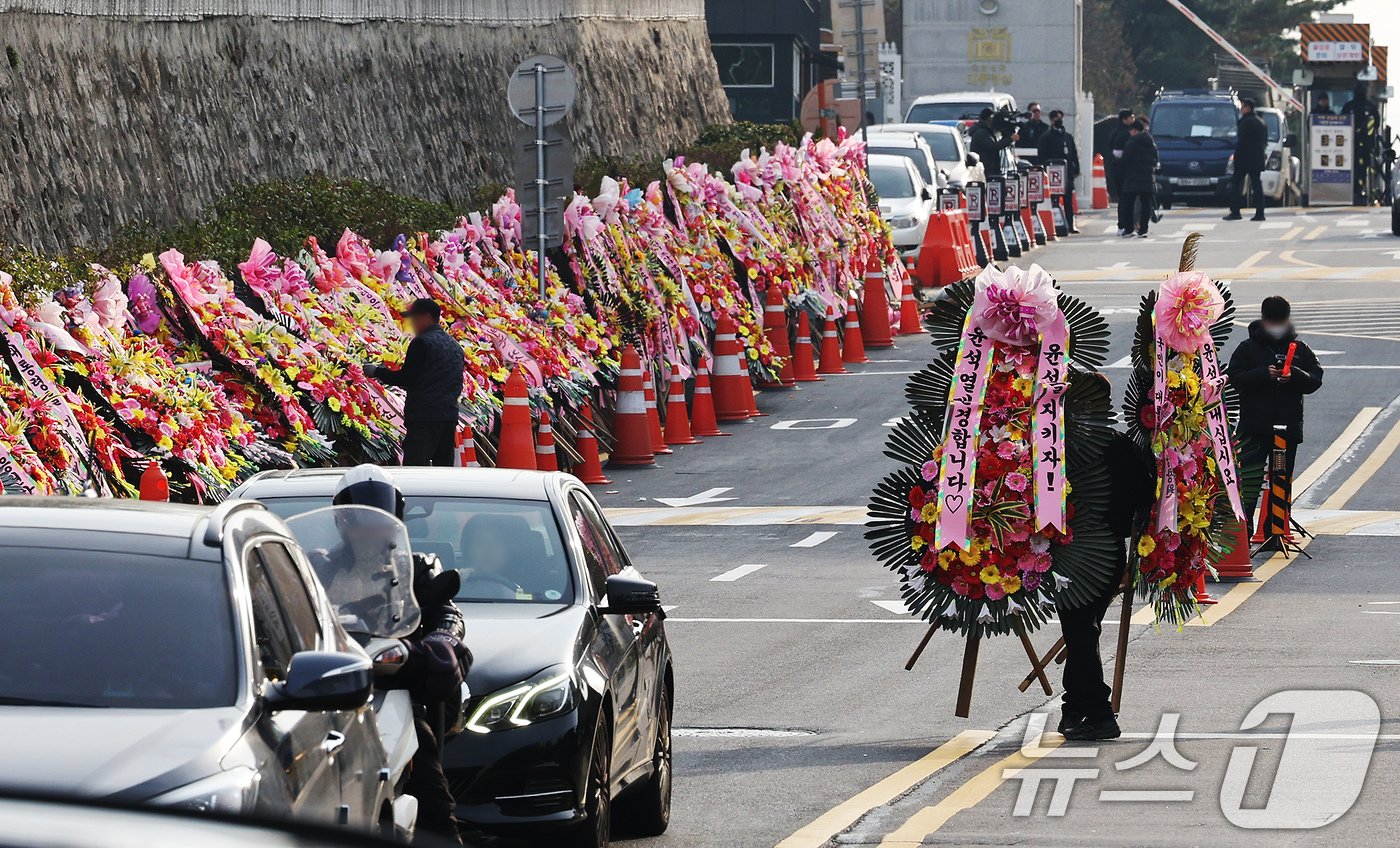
572	683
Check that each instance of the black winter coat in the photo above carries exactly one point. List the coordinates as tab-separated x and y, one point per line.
1138	167
1033	132
988	148
1058	146
1264	401
1251	137
1132	483
431	375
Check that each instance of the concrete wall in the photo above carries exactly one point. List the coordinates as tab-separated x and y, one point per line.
147	109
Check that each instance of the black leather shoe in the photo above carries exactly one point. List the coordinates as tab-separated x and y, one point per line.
1257	218
1068	720
1094	730
1233	216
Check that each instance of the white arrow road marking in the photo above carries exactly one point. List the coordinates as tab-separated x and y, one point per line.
1125	362
893	422
896	606
813	540
1116	266
735	573
814	424
705	497
1393	254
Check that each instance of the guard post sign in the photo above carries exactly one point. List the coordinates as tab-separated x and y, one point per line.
1330	155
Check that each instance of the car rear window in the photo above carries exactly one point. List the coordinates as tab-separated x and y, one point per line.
913	154
922	113
892	181
945	146
105	629
506	551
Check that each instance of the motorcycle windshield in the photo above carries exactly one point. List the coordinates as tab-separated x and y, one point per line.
363	559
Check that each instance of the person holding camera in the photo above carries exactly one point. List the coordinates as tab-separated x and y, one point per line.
1272	369
988	144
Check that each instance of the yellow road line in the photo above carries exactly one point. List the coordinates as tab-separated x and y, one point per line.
1241	592
1253	260
1363	474
1287	256
1291	234
928	820
1334	451
1315	233
848	812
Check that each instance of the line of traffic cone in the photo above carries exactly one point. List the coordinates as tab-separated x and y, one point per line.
677	414
590	470
875	328
853	347
831	349
658	439
1202	596
545	457
908	311
804	364
1236	565
466	449
733	390
703	421
631	426
517	430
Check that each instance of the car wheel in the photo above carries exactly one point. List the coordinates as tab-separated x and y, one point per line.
648	811
596	830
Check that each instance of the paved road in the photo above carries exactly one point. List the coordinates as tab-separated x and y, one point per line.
793	708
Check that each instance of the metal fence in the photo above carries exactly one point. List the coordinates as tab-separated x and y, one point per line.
466	11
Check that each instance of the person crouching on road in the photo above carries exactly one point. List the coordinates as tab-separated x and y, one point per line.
1139	167
1086	711
1268	396
431	377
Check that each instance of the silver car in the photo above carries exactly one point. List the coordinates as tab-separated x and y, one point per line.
180	656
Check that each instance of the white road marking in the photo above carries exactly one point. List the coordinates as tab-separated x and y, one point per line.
1382	603
873	374
893	422
1381	612
735	573
896	606
1116	266
1276	225
815	539
1125	362
705	497
814	424
1374	662
736	733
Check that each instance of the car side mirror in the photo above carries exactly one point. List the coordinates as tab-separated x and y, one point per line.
631	595
972	160
321	681
925	193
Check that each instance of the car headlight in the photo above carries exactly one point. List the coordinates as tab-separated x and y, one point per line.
1230	164
229	791
1275	161
547	694
903	222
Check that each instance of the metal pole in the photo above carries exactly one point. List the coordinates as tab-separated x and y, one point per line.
860	68
541	179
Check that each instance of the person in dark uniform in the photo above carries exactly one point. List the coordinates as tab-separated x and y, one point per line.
1268	397
1057	145
1322	105
431	377
1139	166
1251	139
1035	127
988	145
1117	141
1365	123
1086	710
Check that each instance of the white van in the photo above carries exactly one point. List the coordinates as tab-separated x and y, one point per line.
959	107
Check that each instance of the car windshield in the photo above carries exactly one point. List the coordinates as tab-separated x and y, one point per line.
1194	120
892	181
507	551
944	145
913	154
1271	120
106	629
922	113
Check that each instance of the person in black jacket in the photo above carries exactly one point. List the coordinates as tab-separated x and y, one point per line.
1035	127
987	145
1139	167
1117	142
1268	397
431	376
1086	711
1057	145
1251	138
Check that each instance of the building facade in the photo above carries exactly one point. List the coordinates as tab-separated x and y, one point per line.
767	54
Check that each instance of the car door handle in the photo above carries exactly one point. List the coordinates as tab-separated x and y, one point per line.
332	742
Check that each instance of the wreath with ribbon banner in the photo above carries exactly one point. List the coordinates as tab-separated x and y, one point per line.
996	516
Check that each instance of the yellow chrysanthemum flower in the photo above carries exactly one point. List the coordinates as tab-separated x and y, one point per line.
917	543
1011	584
971	556
1146	545
990	574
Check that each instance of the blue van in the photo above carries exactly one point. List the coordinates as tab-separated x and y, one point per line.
1195	133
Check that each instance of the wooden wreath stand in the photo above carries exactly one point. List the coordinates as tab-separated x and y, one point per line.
1057	654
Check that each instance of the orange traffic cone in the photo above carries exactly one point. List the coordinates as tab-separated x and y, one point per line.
775	327
703	422
658	441
1261	527
908	312
733	391
831	349
466	449
545	458
1236	565
1098	184
875	309
804	365
154	486
753	395
853	349
590	470
631	425
1202	596
517	436
677	415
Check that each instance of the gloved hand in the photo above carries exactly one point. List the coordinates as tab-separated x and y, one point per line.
440	674
370	368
